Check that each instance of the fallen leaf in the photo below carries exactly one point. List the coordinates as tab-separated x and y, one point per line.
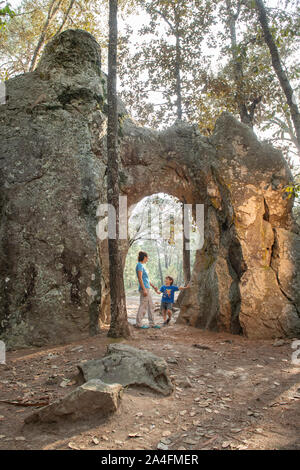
64	383
73	446
162	446
226	444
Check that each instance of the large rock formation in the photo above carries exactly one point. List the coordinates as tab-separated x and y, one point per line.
53	270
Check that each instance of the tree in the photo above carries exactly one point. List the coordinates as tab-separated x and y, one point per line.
119	326
52	12
159	263
167	59
224	65
242	82
246	113
186	258
5	13
37	21
280	72
174	24
258	90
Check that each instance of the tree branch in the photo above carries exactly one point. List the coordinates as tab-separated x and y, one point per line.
66	16
51	14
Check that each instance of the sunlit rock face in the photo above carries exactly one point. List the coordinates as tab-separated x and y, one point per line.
53	269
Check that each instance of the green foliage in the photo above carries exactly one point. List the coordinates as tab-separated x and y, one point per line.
210	59
149	59
293	190
23	31
152	68
5	13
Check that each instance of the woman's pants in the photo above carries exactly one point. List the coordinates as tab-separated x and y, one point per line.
146	304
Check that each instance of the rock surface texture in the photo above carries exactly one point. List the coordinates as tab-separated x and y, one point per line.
53	268
129	366
92	398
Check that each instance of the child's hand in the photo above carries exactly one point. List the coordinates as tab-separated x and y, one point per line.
186	287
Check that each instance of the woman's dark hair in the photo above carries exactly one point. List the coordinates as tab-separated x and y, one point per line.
142	255
171	279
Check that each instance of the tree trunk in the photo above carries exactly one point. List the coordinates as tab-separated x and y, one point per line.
186	258
276	62
175	32
159	265
178	77
180	279
165	254
237	65
119	326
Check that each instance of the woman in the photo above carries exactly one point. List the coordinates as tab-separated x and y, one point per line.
146	302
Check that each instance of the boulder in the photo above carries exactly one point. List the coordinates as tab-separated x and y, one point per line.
92	398
129	366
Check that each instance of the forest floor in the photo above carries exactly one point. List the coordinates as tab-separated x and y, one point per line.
231	393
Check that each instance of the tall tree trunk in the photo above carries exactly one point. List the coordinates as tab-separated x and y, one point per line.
119	326
276	62
165	254
178	77
177	267
175	32
237	64
186	255
159	265
180	279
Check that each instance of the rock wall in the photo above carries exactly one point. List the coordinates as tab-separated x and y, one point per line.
53	270
248	273
51	181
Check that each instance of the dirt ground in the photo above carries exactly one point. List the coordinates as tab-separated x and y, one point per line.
231	393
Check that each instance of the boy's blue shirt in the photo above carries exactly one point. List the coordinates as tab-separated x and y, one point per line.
168	293
145	277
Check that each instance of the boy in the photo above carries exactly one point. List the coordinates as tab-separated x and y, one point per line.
167	300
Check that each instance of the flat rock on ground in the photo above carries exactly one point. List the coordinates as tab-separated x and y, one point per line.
129	366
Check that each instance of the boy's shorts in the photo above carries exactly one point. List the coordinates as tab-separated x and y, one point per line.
166	306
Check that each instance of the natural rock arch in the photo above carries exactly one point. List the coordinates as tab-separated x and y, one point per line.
53	164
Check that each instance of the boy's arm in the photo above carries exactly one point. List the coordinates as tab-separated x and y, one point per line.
183	288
